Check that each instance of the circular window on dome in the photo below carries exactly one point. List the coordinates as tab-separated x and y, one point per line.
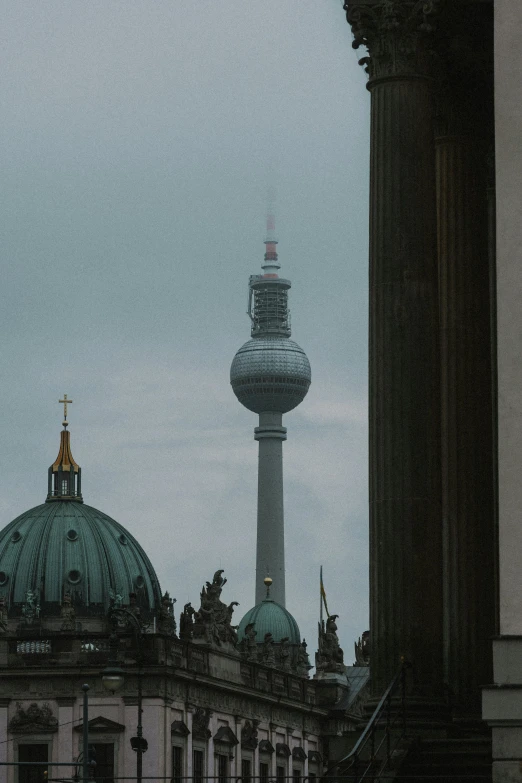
74	576
72	535
139	582
16	536
122	539
4	578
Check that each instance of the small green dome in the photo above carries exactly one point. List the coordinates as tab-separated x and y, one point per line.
65	546
270	617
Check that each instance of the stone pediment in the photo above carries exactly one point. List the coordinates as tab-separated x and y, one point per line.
265	746
101	725
179	728
282	749
298	754
225	736
315	756
33	720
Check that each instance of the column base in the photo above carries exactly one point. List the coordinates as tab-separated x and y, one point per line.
502	709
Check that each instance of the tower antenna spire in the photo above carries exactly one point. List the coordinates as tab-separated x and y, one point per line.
271	264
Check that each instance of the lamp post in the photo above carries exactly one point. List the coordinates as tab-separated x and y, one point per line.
113	678
85	759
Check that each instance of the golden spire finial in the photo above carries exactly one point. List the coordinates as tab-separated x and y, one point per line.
268	582
65	402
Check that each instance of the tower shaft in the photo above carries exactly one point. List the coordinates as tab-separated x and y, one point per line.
270	555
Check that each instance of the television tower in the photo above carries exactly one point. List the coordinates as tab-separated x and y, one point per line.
270	375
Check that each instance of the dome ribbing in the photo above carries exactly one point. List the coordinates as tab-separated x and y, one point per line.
67	546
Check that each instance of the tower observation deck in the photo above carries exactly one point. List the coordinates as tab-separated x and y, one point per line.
270	375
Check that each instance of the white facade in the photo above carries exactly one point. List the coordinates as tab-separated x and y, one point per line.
503	701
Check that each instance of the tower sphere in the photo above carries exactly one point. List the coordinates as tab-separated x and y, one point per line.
270	373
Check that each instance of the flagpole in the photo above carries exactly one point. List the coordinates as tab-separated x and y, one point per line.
321	596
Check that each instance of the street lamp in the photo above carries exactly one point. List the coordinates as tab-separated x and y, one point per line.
85	760
113	679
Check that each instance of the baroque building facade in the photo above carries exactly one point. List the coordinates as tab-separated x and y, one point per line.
80	604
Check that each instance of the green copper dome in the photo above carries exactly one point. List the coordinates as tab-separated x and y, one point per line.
65	546
270	617
69	547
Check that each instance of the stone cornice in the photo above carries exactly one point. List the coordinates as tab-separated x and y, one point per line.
395	33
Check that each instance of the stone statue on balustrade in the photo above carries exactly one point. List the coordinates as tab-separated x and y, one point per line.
329	657
30	609
213	620
186	622
267	651
248	645
303	664
166	623
362	650
67	614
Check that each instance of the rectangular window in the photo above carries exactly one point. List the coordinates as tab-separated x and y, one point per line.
246	770
263	773
32	753
312	776
296	775
280	774
222	768
103	755
177	764
197	766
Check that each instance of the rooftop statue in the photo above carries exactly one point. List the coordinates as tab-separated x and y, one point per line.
67	614
267	652
186	622
303	665
213	620
166	621
31	608
362	650
329	657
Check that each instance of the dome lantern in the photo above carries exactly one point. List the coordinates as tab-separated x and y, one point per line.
64	475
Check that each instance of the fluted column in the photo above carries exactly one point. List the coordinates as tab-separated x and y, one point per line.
404	357
270	553
466	384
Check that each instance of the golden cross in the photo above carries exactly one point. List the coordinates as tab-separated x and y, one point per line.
65	402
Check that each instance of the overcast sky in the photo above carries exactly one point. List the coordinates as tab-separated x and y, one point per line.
138	140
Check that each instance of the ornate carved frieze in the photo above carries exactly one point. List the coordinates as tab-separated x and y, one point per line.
396	34
33	720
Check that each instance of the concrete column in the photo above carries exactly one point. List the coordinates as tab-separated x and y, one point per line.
235	764
466	384
65	749
188	762
273	757
404	356
270	557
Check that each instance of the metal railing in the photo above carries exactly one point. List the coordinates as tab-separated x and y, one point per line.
371	755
